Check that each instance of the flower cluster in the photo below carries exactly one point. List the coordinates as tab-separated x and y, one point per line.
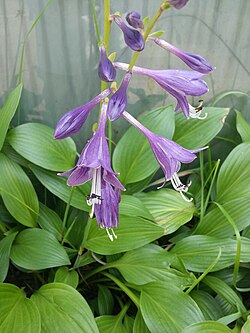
94	162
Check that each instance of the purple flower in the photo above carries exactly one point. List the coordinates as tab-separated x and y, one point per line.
178	4
168	153
133	38
118	102
72	121
134	19
194	61
106	70
178	83
94	164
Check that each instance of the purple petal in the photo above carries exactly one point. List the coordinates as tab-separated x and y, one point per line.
134	19
111	178
79	176
106	70
178	4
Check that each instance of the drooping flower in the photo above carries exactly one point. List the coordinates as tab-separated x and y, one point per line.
179	83
178	4
94	164
134	19
106	70
194	61
132	37
118	102
72	121
168	153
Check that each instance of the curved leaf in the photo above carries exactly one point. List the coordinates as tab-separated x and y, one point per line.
50	221
243	127
18	192
5	246
133	157
36	249
36	143
64	275
17	313
63	310
208	327
133	206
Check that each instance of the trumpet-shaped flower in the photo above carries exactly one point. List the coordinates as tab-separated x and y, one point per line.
134	19
118	102
179	83
72	121
94	164
194	61
178	4
106	70
132	37
168	153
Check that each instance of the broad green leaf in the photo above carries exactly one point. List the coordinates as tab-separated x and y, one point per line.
111	324
150	263
18	192
50	221
233	193
5	246
207	327
67	276
208	305
196	133
133	157
198	252
17	313
165	308
8	110
63	310
246	326
168	208
139	324
133	206
243	127
36	143
223	290
36	249
105	300
133	232
57	185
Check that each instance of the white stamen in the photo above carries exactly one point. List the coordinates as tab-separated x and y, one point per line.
113	233
110	236
179	187
195	112
91	214
95	195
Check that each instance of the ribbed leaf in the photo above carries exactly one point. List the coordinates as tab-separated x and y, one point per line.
64	275
168	208
139	324
8	110
63	310
150	263
133	157
5	246
17	313
57	185
111	324
50	221
17	192
208	327
208	305
196	133
36	143
133	232
165	308
133	206
243	127
36	249
105	300
198	252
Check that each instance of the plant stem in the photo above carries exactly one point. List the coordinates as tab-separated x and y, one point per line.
95	22
202	185
67	211
211	185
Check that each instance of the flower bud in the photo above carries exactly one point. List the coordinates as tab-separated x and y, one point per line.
106	70
134	19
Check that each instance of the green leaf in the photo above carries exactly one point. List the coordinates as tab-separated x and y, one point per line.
8	110
198	252
57	185
208	327
50	221
17	313
246	326
168	208
165	308
64	275
133	232
18	192
36	249
196	133
243	127
133	157
63	310
133	206
111	324
150	263
208	305
139	324
5	246
233	193
105	300
36	143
